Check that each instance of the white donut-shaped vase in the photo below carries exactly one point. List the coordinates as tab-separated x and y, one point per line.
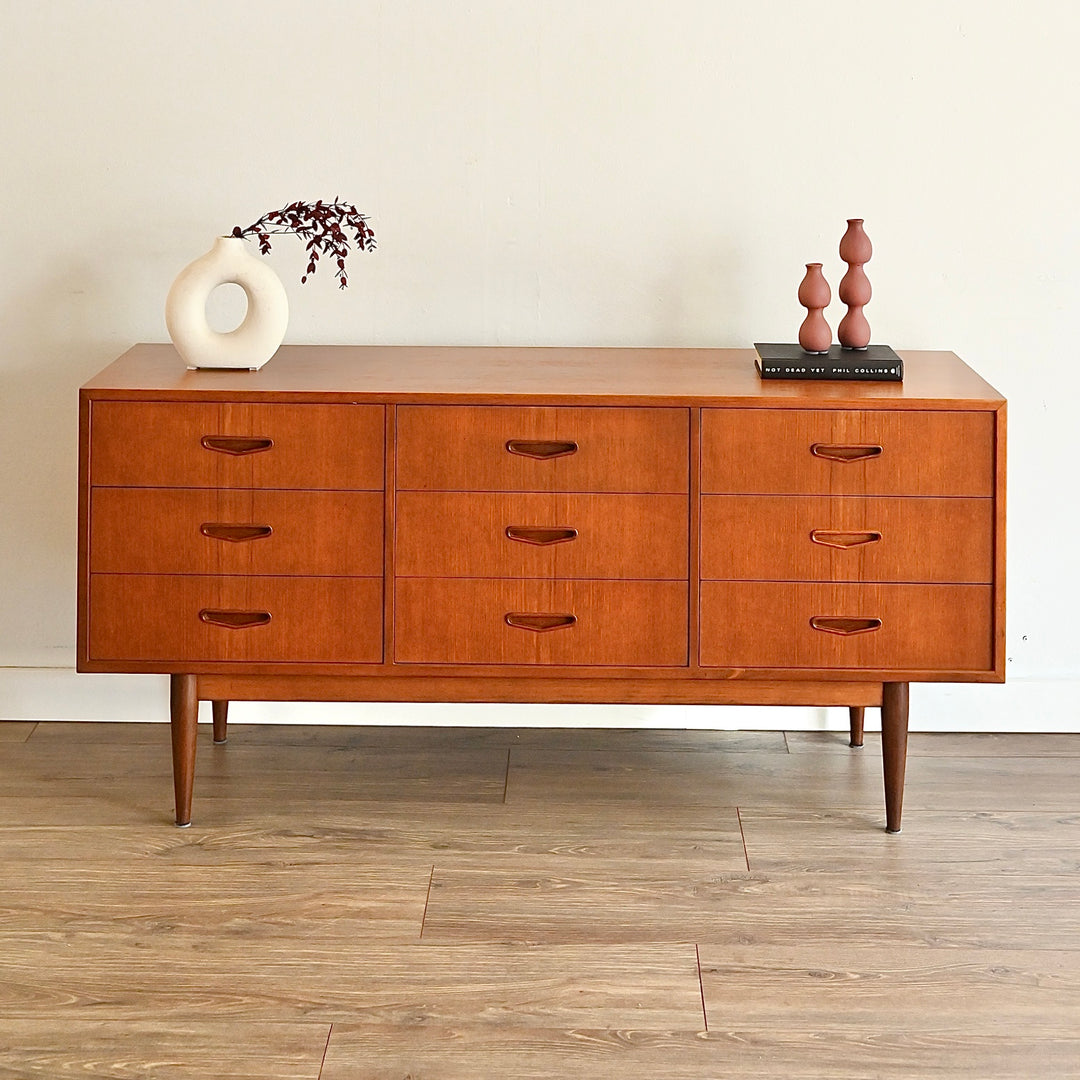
256	339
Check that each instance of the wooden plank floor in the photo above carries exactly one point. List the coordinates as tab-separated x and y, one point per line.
461	903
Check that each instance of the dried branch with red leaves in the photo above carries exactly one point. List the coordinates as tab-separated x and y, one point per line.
325	226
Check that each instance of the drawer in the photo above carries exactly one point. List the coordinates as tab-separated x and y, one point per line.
496	534
818	538
846	452
207	531
494	621
178	619
467	448
788	625
189	444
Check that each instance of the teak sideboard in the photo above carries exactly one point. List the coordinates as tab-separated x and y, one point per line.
613	525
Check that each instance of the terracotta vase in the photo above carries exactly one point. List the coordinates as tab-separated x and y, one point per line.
256	339
814	295
855	249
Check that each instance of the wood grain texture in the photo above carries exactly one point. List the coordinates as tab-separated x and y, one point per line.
260	902
420	739
464	534
16	730
923	453
135	783
539	774
276	764
618	903
162	1050
852	988
510	374
947	744
157	444
183	976
768	624
769	538
562	685
454	448
1021	843
313	533
464	621
157	617
602	922
785	1050
375	852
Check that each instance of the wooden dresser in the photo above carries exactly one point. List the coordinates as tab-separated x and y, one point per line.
546	524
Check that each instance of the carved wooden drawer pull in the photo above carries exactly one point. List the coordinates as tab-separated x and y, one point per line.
541	449
540	621
539	535
844	625
236	444
234	620
833	452
234	534
843	540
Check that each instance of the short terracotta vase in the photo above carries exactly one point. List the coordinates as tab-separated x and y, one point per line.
855	246
814	295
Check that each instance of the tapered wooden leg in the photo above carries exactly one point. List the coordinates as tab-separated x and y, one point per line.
221	720
857	715
184	714
894	729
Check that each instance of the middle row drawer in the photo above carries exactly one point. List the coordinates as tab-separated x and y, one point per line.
822	538
525	535
206	531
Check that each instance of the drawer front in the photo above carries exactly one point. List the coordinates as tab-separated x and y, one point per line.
494	534
178	619
818	538
203	531
467	448
188	444
846	452
787	625
602	623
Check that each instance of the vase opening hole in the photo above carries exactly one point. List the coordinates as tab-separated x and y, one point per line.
226	307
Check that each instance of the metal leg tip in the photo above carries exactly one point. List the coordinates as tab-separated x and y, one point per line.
220	742
183	824
892	832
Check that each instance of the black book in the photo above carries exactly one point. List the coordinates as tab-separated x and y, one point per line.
877	363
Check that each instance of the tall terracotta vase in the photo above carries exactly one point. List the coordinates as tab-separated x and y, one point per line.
256	339
855	249
814	295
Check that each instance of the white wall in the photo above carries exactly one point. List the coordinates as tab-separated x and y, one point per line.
547	171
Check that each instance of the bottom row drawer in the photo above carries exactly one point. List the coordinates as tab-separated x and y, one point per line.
537	621
744	624
783	624
157	617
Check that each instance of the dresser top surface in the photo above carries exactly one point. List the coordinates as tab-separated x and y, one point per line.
519	375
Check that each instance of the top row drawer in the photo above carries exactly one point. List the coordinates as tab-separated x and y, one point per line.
521	448
222	445
846	452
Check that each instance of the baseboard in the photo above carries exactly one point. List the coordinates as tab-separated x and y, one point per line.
31	691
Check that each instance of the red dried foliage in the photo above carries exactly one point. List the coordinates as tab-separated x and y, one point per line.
325	226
